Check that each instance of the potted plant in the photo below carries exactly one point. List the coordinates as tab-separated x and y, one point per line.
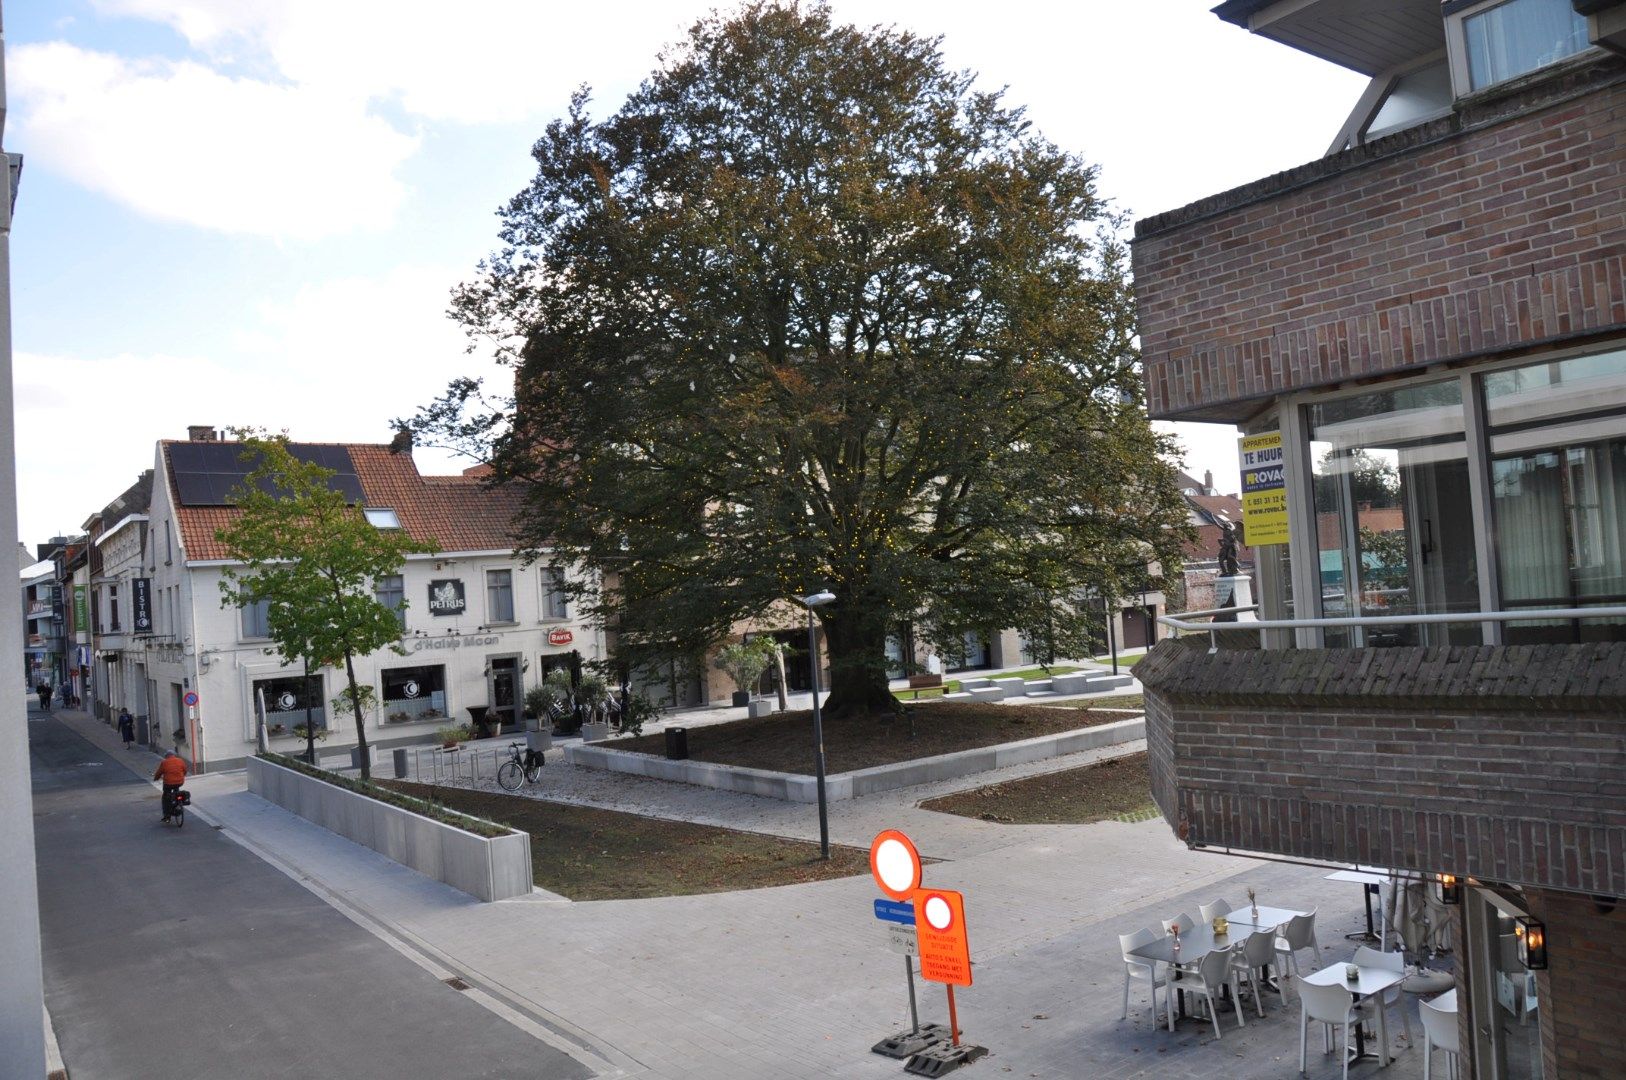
538	735
277	729
745	662
592	696
561	702
450	735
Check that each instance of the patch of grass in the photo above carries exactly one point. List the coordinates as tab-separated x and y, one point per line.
1118	788
590	854
783	742
1118	701
1123	661
386	794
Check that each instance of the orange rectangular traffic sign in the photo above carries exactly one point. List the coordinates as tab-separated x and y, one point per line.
945	947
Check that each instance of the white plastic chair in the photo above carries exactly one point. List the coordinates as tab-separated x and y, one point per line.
1210	912
1295	934
1440	1031
1214	973
1366	956
1184	921
1327	1005
1137	968
1255	952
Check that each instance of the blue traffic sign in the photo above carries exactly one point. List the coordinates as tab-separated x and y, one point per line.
895	911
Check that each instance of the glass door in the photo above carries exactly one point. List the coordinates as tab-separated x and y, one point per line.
504	691
1506	1021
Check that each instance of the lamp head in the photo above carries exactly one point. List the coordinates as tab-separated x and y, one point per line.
819	599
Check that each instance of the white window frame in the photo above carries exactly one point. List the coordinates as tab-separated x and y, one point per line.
400	609
513	613
550	575
242	621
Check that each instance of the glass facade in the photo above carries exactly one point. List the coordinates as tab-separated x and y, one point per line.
1558	488
286	700
1394	527
1401	528
414	693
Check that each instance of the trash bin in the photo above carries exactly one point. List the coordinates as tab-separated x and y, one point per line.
677	743
400	755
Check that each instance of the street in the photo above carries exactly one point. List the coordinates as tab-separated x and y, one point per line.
175	953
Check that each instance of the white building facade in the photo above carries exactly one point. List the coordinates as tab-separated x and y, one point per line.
478	626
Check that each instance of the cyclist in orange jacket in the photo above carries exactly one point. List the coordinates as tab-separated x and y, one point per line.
172	771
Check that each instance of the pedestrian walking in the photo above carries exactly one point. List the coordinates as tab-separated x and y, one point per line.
127	729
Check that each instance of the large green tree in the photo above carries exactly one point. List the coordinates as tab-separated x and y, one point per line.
312	557
810	311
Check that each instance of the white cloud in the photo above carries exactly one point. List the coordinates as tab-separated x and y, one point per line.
334	362
181	142
491	61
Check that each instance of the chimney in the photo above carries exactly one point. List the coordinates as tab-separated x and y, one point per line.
1208	481
201	433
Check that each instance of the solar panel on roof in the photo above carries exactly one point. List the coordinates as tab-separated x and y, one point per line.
206	474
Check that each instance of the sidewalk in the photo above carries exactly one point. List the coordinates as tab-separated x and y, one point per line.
794	981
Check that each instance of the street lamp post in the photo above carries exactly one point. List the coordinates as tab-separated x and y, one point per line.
818	599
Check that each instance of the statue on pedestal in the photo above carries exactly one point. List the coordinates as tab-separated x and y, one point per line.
1227	549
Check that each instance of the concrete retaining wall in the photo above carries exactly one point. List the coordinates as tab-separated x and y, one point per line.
487	868
793	787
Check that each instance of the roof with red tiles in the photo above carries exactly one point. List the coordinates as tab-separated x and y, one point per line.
459	513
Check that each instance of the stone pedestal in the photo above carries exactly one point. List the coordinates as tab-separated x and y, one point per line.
1234	590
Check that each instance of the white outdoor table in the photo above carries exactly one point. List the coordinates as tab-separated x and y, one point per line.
1269	917
1370	981
1370	884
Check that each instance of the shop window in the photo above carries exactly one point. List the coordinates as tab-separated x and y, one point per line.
1394	522
499	596
415	693
286	699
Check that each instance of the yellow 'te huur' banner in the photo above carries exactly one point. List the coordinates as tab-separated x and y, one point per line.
1264	489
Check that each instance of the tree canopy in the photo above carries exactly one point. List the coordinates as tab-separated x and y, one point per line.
812	311
312	558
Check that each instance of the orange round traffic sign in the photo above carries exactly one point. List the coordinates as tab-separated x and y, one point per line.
895	863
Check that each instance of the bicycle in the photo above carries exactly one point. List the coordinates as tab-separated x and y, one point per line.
175	803
522	766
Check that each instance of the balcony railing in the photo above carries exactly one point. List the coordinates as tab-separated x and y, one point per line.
1183	624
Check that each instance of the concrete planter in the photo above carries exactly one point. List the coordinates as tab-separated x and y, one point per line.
793	787
595	732
539	740
759	708
487	868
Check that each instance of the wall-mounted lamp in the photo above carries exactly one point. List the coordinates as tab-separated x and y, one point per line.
1532	937
1450	889
488	669
524	665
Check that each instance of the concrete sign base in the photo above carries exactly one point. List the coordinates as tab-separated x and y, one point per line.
943	1058
906	1044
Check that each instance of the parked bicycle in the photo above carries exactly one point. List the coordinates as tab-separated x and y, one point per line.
523	766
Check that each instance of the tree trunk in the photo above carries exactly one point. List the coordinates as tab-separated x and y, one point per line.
856	642
361	724
779	670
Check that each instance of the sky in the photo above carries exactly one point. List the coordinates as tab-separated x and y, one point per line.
243	213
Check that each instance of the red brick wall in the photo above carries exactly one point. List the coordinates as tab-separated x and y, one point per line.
1494	229
1506	763
1581	1032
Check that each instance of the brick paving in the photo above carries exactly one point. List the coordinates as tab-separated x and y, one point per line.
793	981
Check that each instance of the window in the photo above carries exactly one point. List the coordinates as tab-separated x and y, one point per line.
112	607
381	517
554	603
286	700
414	693
1504	40
1558	491
257	619
169	546
1394	522
499	596
390	591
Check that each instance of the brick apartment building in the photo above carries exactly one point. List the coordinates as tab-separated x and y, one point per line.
1433	316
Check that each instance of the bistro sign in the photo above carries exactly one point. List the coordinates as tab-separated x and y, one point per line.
427	643
446	597
141	601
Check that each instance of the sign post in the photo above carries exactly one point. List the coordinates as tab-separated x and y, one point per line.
937	917
895	864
